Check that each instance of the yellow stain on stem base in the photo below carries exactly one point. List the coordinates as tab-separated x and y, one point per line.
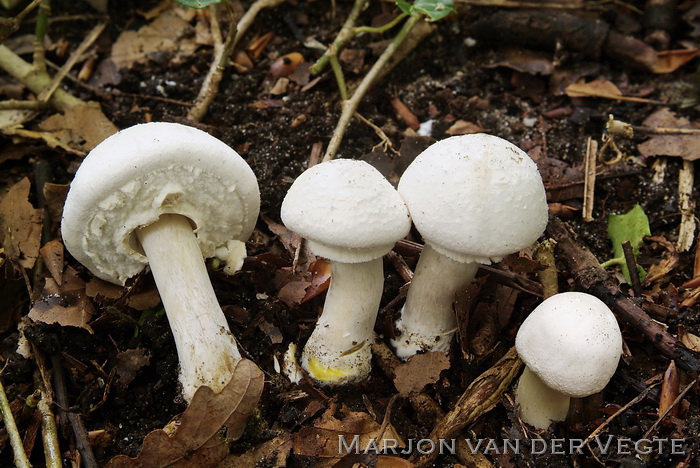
324	373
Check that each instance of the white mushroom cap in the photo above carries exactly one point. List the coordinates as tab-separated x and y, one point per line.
475	198
572	342
133	177
347	211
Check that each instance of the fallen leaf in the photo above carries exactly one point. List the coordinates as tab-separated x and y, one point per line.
670	389
20	224
666	264
52	254
66	305
11	287
464	127
129	363
421	370
388	461
671	60
524	60
55	197
684	146
196	440
320	279
405	114
80	127
271	454
324	438
690	341
596	88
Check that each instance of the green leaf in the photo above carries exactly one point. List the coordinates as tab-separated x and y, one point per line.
630	227
198	4
434	9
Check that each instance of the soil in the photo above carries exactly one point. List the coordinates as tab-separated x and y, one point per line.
446	79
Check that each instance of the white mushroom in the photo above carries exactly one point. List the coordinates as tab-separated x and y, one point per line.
349	213
474	199
571	345
166	195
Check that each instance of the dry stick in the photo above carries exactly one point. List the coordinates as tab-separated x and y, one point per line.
21	460
549	277
666	130
678	399
346	33
81	439
589	178
632	268
350	106
593	279
10	25
482	395
210	86
686	232
49	431
75	56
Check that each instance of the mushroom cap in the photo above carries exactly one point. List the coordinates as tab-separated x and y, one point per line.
475	198
572	342
138	174
346	210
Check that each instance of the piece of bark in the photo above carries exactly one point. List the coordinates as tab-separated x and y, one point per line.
595	280
547	28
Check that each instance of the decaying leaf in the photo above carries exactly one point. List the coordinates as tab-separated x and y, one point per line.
129	362
196	439
320	279
670	389
20	225
684	146
419	371
52	254
464	127
323	439
671	60
80	128
67	305
524	60
596	88
273	454
668	262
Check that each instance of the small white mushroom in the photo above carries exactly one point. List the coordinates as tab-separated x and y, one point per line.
474	199
571	345
349	213
166	195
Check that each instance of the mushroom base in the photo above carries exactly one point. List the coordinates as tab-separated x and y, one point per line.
339	349
538	405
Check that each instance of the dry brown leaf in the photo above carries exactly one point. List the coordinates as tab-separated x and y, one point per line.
55	197
320	279
464	127
196	440
671	60
129	363
419	371
388	461
20	225
323	439
666	264
11	287
80	128
66	305
159	36
525	61
52	254
690	341
670	389
684	146
596	88
272	454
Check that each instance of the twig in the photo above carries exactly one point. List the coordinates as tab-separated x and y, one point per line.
350	106
10	25
548	276
346	33
686	232
675	403
482	395
632	268
21	460
14	104
76	422
589	179
593	279
72	60
666	130
49	431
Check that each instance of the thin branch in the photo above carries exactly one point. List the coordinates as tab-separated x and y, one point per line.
346	33
21	460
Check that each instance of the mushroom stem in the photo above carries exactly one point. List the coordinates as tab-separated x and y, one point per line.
427	320
539	404
339	349
205	346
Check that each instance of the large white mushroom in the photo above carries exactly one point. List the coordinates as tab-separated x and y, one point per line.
166	195
474	199
571	345
350	214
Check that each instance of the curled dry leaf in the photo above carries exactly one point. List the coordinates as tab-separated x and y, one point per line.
670	389
464	127
66	305
671	60
20	225
129	363
596	88
52	253
195	440
272	454
80	128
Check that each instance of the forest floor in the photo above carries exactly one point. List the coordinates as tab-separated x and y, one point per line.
547	79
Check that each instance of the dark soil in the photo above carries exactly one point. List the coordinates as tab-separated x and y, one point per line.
444	79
